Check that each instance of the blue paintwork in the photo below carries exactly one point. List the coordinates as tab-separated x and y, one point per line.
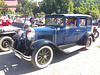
63	36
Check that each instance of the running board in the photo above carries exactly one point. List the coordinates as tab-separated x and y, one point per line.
72	49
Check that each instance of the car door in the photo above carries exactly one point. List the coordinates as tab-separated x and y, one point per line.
82	28
71	32
59	36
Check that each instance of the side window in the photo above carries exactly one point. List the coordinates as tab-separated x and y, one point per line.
89	22
71	22
82	22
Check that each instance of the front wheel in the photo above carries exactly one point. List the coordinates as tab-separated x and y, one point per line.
42	58
5	42
88	42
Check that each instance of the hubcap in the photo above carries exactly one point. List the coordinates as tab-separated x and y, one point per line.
5	44
88	42
44	56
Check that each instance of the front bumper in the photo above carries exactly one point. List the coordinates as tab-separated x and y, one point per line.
20	54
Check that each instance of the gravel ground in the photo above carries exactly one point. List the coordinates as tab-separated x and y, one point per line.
80	62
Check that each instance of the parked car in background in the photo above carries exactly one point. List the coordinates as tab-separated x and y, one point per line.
7	32
61	32
96	23
4	23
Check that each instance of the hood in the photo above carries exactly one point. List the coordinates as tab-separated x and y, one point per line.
9	28
43	28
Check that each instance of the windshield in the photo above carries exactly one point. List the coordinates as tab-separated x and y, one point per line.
54	21
19	20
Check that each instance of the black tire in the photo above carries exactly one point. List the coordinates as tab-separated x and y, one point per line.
96	34
42	57
5	42
88	42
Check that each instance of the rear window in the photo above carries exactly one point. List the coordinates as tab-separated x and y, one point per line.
82	22
71	22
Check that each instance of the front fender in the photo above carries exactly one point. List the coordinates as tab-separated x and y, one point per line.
16	37
39	43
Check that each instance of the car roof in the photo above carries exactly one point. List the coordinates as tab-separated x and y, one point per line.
68	15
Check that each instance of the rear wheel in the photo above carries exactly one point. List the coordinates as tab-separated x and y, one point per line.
42	57
5	42
88	42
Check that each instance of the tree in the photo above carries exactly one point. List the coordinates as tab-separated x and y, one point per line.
57	6
4	7
70	7
25	7
48	6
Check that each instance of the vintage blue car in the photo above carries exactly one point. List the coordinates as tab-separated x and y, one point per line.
63	32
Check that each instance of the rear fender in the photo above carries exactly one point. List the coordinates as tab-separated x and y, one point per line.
87	35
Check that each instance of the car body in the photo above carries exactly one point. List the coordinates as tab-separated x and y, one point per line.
37	44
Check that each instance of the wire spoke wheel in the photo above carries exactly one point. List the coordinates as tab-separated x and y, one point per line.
42	57
88	43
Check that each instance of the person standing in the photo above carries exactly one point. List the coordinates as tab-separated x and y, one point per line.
43	20
32	19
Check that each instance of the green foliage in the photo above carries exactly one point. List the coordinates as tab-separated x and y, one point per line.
90	7
57	6
25	7
4	7
48	6
39	15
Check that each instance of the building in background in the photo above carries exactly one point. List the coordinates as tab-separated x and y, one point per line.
11	4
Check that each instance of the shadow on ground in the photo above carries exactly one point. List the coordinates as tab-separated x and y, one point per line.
11	65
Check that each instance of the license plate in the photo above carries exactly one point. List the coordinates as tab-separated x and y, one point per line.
18	55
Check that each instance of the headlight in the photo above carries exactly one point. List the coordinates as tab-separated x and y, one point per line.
30	35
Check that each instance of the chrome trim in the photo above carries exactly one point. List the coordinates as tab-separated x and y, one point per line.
28	58
8	32
55	35
67	45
